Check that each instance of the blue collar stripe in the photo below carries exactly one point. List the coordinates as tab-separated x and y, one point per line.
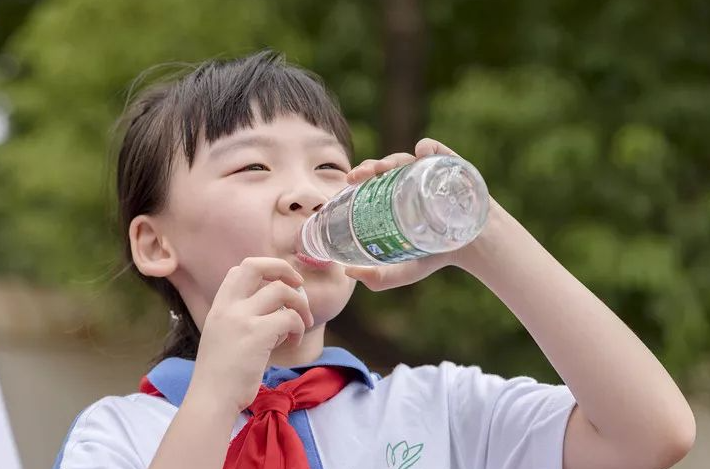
172	376
336	356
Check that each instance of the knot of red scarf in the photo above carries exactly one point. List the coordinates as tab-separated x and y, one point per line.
272	400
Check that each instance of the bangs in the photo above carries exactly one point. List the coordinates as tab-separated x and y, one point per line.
219	98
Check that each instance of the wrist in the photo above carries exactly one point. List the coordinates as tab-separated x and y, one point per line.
213	399
479	255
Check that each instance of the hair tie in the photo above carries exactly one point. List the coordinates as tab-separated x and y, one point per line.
174	317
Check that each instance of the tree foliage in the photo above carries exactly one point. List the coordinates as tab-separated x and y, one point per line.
588	120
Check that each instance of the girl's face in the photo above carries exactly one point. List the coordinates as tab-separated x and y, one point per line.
247	195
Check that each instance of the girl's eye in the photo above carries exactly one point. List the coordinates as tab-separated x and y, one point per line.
253	167
331	166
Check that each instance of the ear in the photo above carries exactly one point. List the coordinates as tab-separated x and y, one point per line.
153	254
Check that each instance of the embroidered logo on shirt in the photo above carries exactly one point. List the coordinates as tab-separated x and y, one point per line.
403	456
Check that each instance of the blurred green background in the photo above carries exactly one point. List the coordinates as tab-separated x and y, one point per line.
589	121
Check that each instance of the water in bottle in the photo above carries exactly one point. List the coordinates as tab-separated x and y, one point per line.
436	204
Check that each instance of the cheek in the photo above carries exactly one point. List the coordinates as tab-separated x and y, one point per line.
228	214
334	187
216	230
233	234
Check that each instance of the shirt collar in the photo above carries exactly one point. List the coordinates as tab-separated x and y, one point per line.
172	376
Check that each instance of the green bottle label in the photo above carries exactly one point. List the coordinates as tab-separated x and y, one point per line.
374	224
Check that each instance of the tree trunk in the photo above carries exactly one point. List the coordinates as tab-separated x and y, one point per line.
402	122
403	103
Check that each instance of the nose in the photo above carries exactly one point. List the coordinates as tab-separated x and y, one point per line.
304	199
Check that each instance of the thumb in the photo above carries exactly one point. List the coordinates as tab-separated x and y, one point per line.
397	275
374	278
360	273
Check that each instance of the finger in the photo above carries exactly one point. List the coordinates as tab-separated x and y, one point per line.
370	168
245	279
429	146
286	324
364	169
277	294
393	161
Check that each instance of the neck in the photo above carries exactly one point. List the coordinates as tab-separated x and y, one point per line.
289	354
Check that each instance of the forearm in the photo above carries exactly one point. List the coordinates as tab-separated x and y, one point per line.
618	383
198	436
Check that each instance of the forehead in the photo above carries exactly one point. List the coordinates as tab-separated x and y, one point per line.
281	133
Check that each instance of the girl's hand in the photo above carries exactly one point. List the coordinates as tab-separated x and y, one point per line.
244	325
383	278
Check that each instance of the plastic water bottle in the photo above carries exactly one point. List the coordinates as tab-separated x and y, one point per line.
436	204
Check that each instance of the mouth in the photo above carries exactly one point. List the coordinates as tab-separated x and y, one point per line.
313	263
306	260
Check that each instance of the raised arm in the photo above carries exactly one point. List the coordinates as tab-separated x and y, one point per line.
630	413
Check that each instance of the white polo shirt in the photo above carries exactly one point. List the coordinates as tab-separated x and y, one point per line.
429	417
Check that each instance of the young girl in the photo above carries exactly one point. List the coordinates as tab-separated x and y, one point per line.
216	174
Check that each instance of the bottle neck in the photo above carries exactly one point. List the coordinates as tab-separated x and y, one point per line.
311	242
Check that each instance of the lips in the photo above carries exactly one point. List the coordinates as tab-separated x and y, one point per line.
311	262
305	259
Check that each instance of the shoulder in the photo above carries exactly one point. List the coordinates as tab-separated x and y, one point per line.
446	374
117	410
129	427
471	386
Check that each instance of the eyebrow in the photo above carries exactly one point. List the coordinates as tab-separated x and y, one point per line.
267	142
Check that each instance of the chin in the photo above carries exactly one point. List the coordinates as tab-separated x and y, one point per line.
327	302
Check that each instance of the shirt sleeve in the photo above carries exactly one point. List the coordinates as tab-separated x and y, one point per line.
100	438
8	450
499	423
